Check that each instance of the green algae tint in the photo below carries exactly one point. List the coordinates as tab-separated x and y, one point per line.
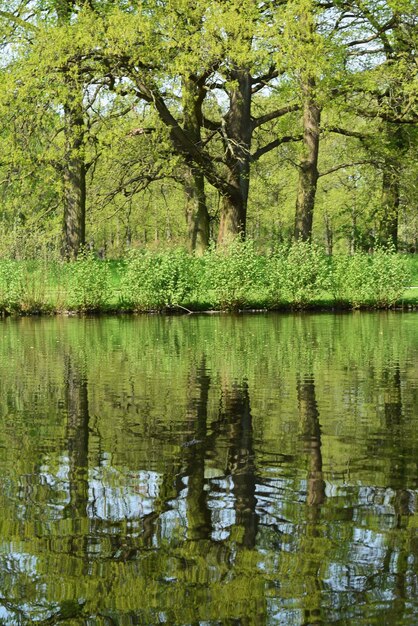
209	470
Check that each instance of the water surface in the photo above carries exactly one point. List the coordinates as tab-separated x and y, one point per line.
209	470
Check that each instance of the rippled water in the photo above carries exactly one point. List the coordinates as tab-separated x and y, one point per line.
209	470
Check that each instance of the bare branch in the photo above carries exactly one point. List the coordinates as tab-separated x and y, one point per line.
362	53
359	42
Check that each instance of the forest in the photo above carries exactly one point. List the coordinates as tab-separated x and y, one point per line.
163	123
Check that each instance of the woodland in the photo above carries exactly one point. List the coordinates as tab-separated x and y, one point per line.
164	123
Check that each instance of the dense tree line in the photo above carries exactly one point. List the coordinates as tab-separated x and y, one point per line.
276	119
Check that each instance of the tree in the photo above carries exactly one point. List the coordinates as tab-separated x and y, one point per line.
52	84
384	70
215	71
302	49
230	84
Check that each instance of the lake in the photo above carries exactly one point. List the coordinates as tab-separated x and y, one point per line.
209	469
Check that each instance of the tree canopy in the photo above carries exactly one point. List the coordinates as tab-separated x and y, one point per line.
126	123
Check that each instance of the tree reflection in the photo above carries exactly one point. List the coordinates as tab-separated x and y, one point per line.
198	515
315	497
396	558
311	436
77	408
168	514
235	411
395	439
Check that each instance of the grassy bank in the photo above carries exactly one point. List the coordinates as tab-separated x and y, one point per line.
297	277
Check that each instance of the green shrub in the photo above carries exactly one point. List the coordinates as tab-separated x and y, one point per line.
229	278
376	280
297	274
232	275
11	285
35	287
390	277
88	281
159	280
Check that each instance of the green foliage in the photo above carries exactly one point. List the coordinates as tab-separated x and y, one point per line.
23	287
88	281
233	278
376	280
11	286
158	280
64	93
233	274
297	274
36	295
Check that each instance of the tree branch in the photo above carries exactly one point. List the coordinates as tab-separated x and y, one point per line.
274	144
182	141
18	21
346	165
258	121
362	53
347	133
210	124
261	81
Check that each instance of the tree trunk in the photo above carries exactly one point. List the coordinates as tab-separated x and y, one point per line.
197	215
238	131
74	181
388	228
308	172
74	168
397	141
329	234
236	410
233	218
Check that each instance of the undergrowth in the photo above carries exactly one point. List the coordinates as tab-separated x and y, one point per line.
298	276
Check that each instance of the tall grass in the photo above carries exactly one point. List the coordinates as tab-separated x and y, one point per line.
295	277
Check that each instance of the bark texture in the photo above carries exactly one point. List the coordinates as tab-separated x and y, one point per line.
388	230
74	181
237	141
397	141
197	215
74	167
308	172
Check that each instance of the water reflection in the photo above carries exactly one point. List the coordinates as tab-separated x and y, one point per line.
315	495
209	471
199	525
77	408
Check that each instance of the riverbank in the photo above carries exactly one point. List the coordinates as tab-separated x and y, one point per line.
299	277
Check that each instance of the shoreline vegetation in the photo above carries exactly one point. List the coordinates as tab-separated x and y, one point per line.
237	279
